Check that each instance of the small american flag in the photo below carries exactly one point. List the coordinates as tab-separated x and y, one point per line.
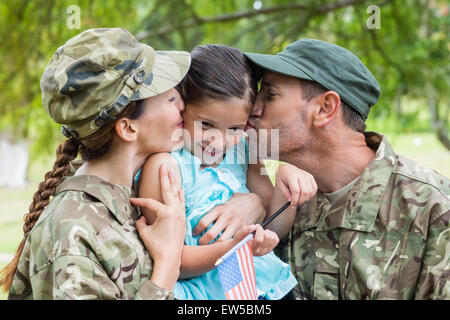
237	275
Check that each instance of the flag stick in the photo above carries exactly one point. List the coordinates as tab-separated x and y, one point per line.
250	236
276	214
234	249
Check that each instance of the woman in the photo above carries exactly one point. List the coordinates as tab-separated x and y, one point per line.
116	100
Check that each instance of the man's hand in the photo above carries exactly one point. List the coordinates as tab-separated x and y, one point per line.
241	210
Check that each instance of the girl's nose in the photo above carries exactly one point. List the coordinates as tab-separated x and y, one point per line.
214	139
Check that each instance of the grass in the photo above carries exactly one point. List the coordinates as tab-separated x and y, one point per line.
3	295
421	147
14	204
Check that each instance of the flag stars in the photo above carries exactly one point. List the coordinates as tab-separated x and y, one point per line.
229	273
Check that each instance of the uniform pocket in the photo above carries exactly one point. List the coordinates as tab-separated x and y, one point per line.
326	268
326	286
384	265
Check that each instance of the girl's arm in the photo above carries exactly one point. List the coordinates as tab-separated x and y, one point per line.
284	222
260	184
196	260
273	199
292	184
149	184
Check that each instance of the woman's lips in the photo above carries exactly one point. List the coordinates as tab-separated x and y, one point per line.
180	124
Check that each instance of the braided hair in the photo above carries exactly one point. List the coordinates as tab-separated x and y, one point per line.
92	147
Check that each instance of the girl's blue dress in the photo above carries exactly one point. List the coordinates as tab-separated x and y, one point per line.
206	188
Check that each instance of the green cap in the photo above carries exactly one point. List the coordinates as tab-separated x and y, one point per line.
96	74
330	65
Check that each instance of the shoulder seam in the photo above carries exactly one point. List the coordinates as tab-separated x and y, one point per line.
64	255
422	181
52	225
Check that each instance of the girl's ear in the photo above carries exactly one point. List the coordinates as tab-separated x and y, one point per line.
126	129
329	104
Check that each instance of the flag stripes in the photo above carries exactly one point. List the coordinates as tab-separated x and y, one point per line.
237	275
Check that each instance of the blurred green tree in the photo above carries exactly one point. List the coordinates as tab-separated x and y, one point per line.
31	32
408	53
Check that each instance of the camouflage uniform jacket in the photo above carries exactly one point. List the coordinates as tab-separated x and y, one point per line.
85	246
387	238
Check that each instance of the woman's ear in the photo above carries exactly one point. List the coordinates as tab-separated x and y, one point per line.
126	129
329	104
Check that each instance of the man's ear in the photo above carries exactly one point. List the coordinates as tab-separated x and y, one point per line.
329	104
126	129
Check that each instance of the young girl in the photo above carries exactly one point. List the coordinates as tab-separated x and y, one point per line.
218	91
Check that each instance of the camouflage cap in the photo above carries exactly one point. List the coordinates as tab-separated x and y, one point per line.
96	74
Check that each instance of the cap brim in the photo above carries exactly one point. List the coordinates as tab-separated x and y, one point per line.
169	68
264	62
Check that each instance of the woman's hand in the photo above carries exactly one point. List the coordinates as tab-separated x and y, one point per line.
263	241
165	237
241	210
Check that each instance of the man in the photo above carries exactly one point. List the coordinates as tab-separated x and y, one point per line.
378	228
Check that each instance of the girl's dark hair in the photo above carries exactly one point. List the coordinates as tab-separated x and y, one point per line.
91	147
218	72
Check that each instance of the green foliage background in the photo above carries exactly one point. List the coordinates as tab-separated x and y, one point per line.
408	54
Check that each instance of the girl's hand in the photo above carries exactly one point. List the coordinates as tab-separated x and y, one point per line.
295	184
164	238
263	241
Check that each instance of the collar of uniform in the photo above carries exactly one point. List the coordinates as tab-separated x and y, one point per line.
114	196
358	209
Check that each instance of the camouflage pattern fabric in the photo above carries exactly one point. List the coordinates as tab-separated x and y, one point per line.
387	238
94	76
85	246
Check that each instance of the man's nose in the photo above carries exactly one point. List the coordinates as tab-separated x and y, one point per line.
257	110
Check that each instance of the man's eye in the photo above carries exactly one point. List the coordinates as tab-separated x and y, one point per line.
270	95
206	124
